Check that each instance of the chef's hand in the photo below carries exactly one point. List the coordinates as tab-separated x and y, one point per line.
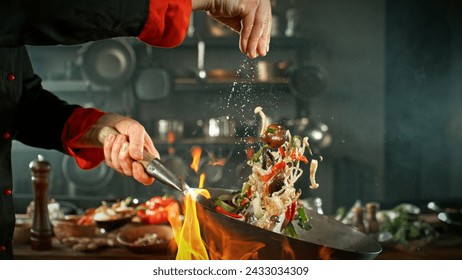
252	19
122	151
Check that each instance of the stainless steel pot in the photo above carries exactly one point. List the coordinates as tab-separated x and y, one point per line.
221	127
308	81
162	129
152	84
318	133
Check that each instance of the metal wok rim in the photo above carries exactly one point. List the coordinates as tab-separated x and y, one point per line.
374	247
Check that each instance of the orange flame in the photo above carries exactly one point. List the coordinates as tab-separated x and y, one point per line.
201	180
218	243
187	234
196	153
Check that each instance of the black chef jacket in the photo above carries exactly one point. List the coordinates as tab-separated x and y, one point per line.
31	114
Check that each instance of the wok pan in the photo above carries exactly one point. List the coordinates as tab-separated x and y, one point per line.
328	239
227	238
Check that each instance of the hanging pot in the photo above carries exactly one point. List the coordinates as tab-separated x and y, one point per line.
221	127
90	181
318	133
308	81
152	84
108	62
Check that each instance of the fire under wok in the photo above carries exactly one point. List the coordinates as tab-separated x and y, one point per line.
228	238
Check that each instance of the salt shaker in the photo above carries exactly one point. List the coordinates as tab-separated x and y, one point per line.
41	231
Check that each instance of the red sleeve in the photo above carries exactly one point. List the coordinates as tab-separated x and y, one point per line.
167	23
81	120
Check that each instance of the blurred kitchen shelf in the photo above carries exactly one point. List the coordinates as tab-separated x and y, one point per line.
70	86
180	84
191	84
233	41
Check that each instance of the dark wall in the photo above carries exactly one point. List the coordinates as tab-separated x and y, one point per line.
423	100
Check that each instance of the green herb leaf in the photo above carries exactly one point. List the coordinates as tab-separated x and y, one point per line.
289	230
302	215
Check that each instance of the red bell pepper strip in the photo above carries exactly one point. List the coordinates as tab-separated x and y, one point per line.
290	212
274	170
282	152
223	211
295	155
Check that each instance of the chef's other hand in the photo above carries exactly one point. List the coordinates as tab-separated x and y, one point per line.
122	151
252	19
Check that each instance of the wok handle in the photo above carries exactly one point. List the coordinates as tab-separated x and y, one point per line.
154	167
106	131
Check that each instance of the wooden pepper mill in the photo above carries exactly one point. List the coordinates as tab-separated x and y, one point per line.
41	231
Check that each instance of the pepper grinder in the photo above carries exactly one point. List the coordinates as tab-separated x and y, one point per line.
41	231
371	217
358	221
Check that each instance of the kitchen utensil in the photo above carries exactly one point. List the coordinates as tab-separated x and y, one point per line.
452	225
165	128
86	180
221	127
328	238
449	212
145	238
152	84
108	62
153	166
68	227
266	70
318	133
41	231
176	164
201	73
308	81
221	74
112	224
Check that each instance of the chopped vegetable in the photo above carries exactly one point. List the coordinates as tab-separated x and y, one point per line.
232	215
303	219
269	197
154	211
225	206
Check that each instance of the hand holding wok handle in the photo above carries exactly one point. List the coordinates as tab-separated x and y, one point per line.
106	131
153	166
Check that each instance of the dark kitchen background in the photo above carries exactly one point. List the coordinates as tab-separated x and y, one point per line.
378	81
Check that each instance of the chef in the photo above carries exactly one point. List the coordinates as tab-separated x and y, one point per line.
34	116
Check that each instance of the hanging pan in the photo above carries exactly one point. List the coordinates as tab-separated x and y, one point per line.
152	84
308	81
109	62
